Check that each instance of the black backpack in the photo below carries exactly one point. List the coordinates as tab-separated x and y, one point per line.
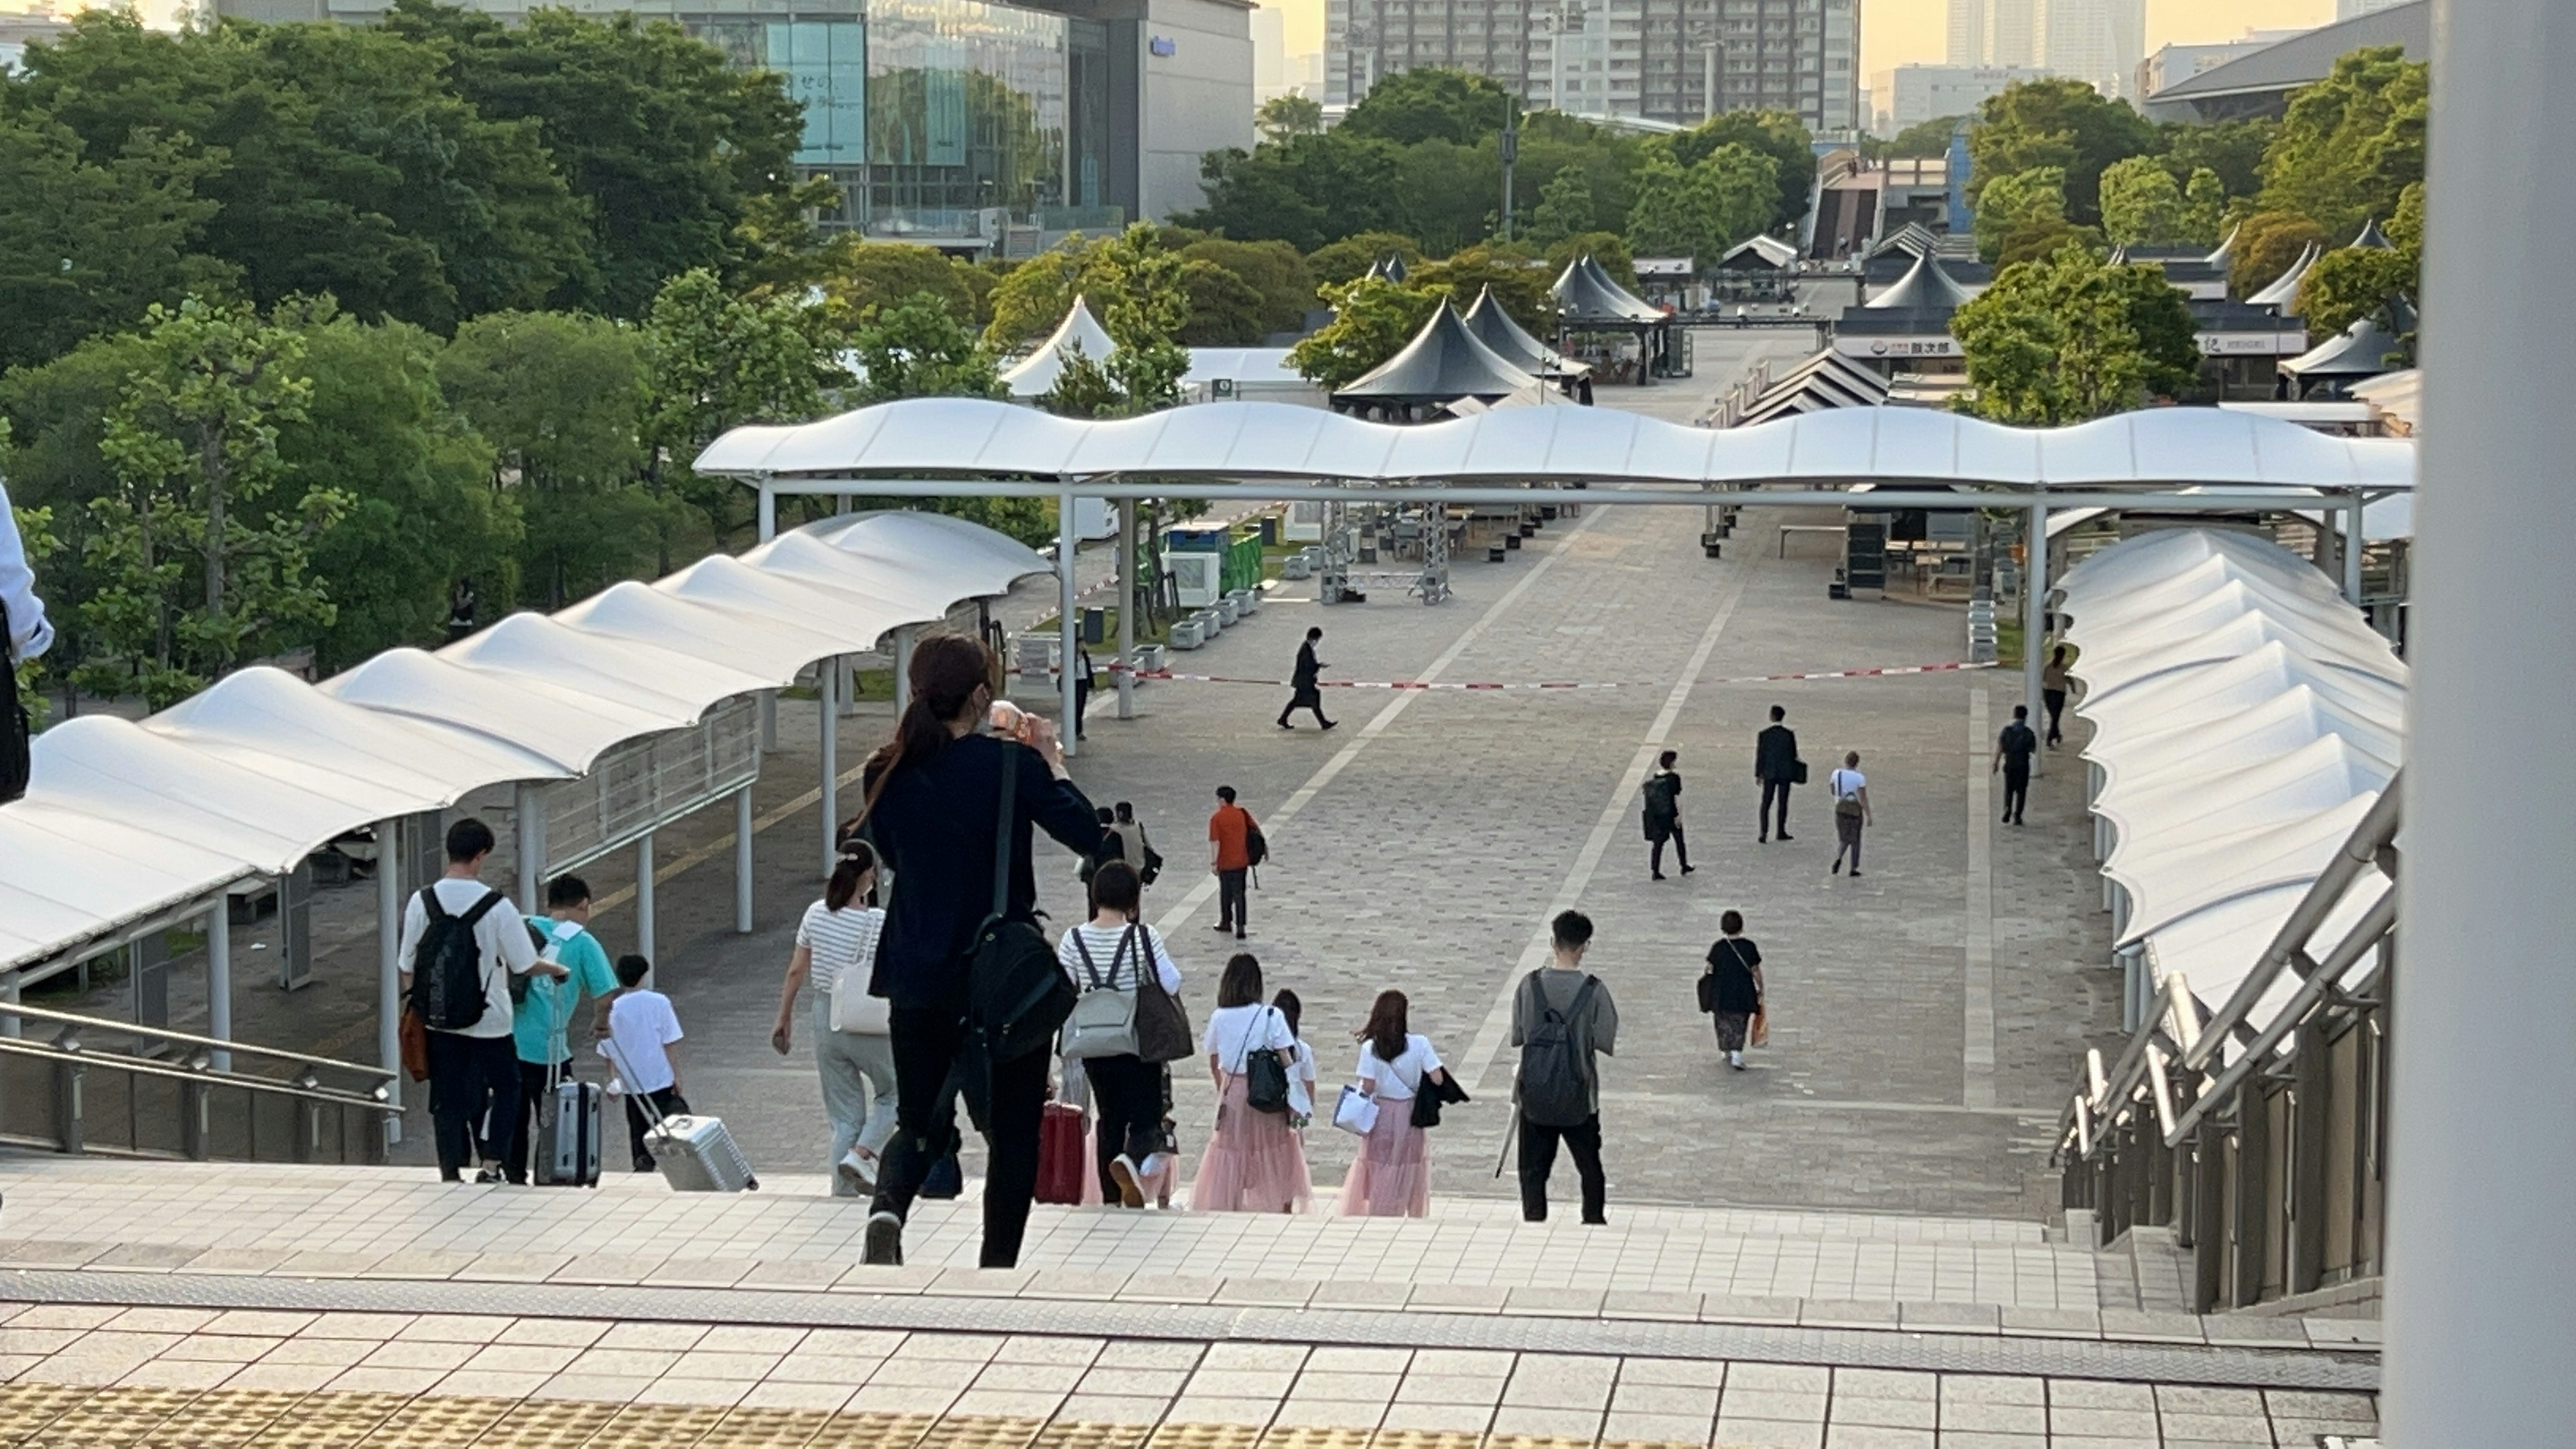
14	726
1256	846
1553	1092
1017	992
447	967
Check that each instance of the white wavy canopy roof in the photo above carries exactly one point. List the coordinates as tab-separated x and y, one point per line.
2245	718
1279	440
125	821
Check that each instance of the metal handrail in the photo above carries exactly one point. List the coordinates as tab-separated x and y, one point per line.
378	1099
2376	923
180	1038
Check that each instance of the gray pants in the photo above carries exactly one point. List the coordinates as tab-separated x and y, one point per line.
1233	907
858	1088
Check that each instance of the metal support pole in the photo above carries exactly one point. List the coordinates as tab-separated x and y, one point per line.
742	861
10	989
2355	539
1127	608
1064	617
768	697
219	979
644	896
389	914
2479	1282
529	804
825	675
2034	620
903	638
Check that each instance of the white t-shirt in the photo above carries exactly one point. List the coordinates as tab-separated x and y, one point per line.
1398	1080
502	934
1846	782
1234	1033
640	1024
840	940
1118	973
1301	1080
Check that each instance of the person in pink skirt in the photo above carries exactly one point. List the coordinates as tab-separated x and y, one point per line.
1254	1162
1392	1176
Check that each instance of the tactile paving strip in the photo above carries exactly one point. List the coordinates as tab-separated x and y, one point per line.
1977	1353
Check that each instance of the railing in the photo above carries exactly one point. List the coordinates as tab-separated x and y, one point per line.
80	1084
2268	1166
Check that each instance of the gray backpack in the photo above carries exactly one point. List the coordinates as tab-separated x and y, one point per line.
1553	1092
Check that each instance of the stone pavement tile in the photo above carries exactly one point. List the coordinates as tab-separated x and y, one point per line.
1470	1361
544	1359
1883	1413
951	1374
1175	1288
667	1337
982	1282
174	1373
2174	1399
1033	1348
2101	1394
1243	1383
821	1398
592	1388
809	1367
876	1397
751	1338
272	1324
1329	1414
1876	1436
1994	1418
1058	1379
320	1352
1437	1418
1547	1422
474	1328
1081	1286
2216	1428
80	1316
1692	1373
161	1320
616	1269
2101	1423
239	1262
1672	1307
1950	1317
2343	1332
1103	1378
556	1332
1336	1359
1739	1308
1450	1389
975	1348
37	1341
2238	1331
718	1393
1642	1428
415	1354
142	1257
1138	1355
326	1265
1033	1404
40	1253
793	1275
891	1281
1845	1313
1457	1297
221	1348
1750	1403
1734	1433
2096	1441
421	1264
624	1363
699	1273
358	1325
1683	1399
1556	1381
293	1378
2150	1325
1554	1302
1255	1413
1358	1295
1265	1292
488	1383
1143	1409
1886	1384
1980	1439
2333	1408
1255	1357
1788	1378
385	1380
2053	1322
1992	1389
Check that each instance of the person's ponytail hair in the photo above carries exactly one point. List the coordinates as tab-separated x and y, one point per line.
857	859
946	671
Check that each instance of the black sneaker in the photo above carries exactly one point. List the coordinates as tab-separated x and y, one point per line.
884	1245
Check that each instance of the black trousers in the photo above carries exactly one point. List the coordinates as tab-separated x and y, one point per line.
669	1103
1538	1159
2016	791
473	1097
1081	702
926	1048
1307	697
1128	1094
523	1125
1773	789
1233	906
2054	701
1681	851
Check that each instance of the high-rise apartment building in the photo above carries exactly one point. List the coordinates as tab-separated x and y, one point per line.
1666	60
2097	41
1994	32
1909	95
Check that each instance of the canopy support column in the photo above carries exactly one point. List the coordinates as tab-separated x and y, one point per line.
903	641
389	913
768	697
219	977
742	861
827	675
1065	621
10	988
2479	1336
644	896
1127	608
530	804
2353	543
2034	617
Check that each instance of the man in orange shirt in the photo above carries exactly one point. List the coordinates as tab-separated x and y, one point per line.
1228	831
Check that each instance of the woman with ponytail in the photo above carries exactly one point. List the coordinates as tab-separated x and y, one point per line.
836	946
934	796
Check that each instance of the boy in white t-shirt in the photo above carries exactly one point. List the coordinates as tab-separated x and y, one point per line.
643	1045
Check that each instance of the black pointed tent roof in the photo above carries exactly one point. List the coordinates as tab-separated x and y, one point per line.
1512	343
2372	239
2360	350
1443	363
1925	284
2284	289
1585	295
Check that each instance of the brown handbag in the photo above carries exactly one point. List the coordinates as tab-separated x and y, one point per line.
415	1046
1162	1025
1759	1034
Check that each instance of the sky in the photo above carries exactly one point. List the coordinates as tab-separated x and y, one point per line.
1895	32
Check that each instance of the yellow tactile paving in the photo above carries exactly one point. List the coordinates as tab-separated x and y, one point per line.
655	1426
1066	1434
116	1418
1311	1438
744	1428
27	1408
555	1424
1205	1436
431	1423
1424	1439
873	1431
237	1418
981	1431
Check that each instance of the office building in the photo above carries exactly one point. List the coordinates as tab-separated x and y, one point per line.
1994	32
1662	60
969	125
2169	64
2099	42
1912	94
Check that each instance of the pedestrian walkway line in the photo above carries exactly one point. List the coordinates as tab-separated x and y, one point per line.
1205	891
1498	1021
1977	1047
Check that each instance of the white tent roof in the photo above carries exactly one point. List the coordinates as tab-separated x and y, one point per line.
1265	365
1035	374
1280	440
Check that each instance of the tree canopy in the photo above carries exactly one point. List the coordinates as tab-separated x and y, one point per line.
2064	125
1431	103
1778	135
1728	194
2069	339
2352	143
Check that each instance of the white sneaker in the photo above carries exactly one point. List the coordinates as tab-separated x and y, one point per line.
884	1243
1122	1170
859	1171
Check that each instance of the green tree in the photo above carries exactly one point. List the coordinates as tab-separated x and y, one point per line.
856	275
1564	208
1271	268
2351	143
2204	206
2069	339
670	146
715	361
1133	283
2036	197
1608	248
1779	135
1431	103
559	399
86	246
2065	124
37	540
1518	279
1352	256
1728	194
920	347
1292	114
1925	138
191	577
2142	203
1449	194
1372	320
1225	310
2266	244
1304	190
2231	150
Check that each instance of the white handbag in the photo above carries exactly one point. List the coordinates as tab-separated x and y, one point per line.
853	1010
1356	1112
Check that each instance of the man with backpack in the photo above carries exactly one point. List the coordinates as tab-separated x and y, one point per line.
1561	1018
1235	846
462	943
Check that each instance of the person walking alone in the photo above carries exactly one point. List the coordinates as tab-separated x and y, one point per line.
1562	1017
2013	749
2052	691
1391	1178
1309	693
1776	767
1254	1162
836	949
1663	816
934	795
1230	832
1109	953
1850	789
1731	992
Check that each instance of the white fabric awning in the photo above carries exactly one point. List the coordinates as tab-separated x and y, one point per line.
964	436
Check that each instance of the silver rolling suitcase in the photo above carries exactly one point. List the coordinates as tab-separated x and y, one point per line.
696	1154
568	1126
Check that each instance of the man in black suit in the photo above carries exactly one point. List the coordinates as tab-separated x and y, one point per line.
1776	765
1309	695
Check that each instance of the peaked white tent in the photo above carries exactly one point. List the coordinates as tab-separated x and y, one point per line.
1035	374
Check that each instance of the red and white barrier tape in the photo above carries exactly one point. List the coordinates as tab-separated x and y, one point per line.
1489	685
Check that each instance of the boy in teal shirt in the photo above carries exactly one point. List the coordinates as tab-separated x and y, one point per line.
539	1025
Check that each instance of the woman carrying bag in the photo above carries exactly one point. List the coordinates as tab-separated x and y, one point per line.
1731	991
836	947
1254	1162
1113	1031
1391	1178
1851	811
